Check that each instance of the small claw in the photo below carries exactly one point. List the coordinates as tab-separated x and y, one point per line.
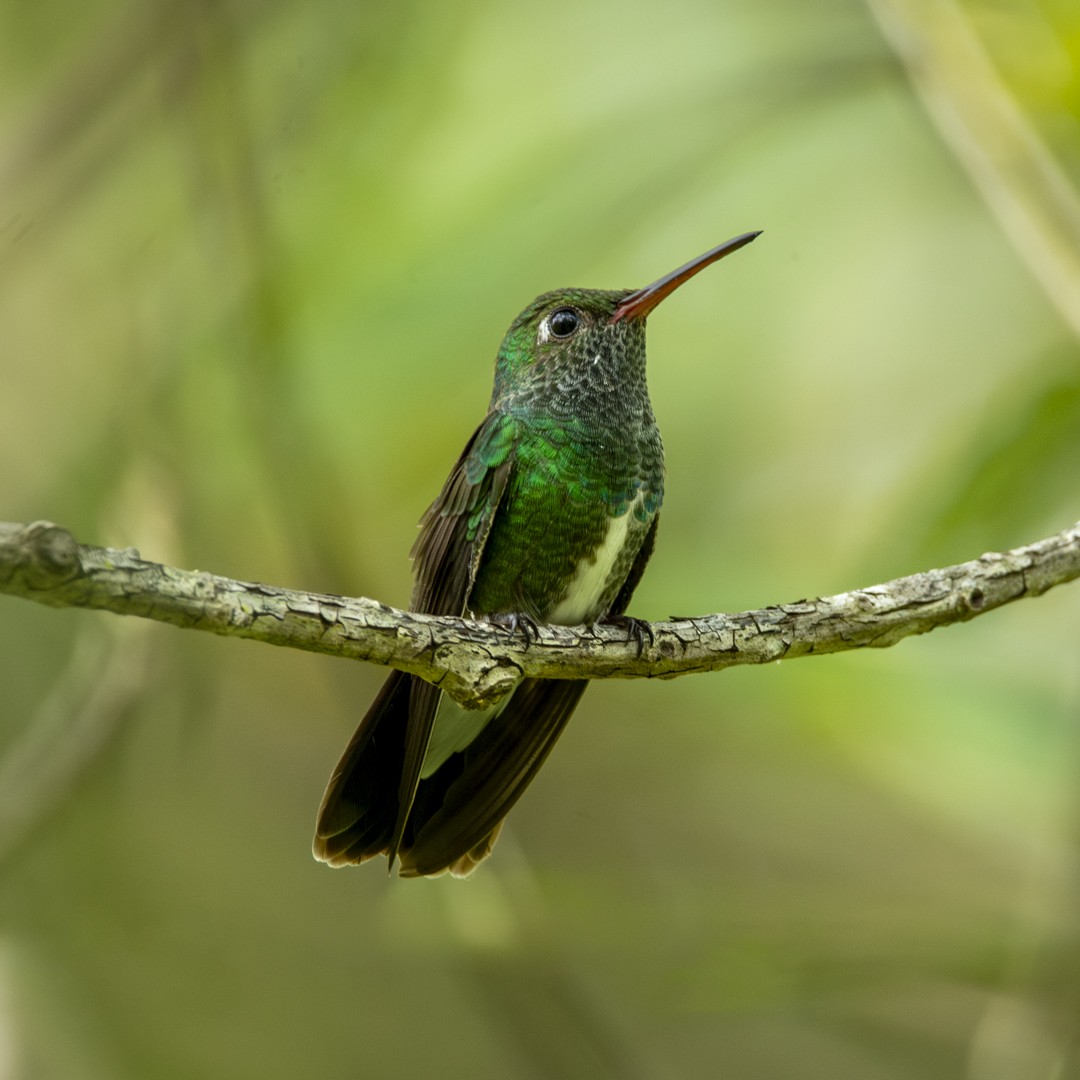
514	622
636	629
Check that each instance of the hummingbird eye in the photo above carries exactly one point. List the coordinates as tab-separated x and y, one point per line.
564	322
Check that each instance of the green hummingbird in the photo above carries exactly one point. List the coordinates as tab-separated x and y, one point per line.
549	516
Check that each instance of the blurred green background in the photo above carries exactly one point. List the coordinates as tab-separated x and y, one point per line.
255	261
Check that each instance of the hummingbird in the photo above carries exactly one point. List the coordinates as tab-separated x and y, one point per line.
549	516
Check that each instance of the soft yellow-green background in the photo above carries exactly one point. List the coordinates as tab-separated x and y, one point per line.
255	260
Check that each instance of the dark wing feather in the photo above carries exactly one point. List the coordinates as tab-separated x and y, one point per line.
452	532
445	556
366	806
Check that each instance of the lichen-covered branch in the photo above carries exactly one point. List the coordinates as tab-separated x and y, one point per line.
476	661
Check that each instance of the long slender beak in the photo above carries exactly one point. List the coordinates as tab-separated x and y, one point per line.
638	304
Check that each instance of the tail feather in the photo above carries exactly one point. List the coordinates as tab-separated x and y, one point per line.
457	812
494	771
358	810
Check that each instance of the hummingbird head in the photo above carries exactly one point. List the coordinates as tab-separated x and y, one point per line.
558	337
568	340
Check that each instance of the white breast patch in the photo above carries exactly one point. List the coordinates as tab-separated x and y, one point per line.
578	605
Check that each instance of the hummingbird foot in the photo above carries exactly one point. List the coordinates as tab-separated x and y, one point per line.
516	622
636	629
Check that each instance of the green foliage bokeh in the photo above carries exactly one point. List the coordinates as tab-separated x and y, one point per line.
255	260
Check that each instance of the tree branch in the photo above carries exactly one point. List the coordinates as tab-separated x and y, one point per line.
477	662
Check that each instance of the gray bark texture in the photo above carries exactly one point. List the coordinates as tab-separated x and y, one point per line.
477	662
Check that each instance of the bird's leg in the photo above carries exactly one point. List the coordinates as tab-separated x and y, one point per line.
515	621
636	629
